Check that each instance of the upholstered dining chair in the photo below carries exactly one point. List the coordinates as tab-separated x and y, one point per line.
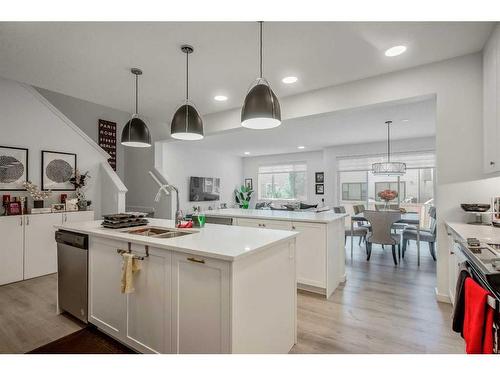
381	224
360	232
426	235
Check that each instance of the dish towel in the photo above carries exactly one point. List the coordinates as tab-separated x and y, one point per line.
478	319
459	307
130	266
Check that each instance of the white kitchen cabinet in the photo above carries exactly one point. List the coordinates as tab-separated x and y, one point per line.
40	250
265	224
11	249
107	305
311	253
149	312
491	103
200	305
28	244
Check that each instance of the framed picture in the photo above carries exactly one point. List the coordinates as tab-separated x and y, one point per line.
107	140
13	168
57	169
249	183
14	208
320	189
71	204
320	177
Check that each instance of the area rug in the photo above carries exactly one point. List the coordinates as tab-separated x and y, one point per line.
88	340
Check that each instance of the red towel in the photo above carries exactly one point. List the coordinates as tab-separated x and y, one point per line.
478	320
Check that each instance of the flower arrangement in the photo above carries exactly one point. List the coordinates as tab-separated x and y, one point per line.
388	195
79	181
35	193
243	195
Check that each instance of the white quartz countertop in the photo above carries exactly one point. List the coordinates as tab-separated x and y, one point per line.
484	233
304	216
214	241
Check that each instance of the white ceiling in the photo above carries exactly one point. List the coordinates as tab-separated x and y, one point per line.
362	125
91	61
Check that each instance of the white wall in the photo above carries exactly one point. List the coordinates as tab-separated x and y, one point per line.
29	122
180	160
313	159
457	86
86	115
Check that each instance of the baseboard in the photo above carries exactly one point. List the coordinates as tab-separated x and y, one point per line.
311	288
442	297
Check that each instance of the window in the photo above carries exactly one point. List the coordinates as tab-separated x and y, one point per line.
283	182
354	191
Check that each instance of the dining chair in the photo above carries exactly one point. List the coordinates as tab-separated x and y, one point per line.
426	235
359	209
381	224
360	232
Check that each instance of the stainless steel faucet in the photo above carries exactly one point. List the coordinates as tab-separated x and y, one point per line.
165	188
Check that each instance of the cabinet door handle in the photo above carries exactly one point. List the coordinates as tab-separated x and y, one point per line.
202	261
21	221
65	217
27	220
492	163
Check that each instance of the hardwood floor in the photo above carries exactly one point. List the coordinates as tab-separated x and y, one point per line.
380	309
28	316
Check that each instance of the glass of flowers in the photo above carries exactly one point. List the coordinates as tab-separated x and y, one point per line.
387	196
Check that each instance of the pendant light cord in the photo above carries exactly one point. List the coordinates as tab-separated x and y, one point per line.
187	77
136	94
388	141
260	28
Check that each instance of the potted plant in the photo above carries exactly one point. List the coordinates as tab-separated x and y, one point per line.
243	196
79	181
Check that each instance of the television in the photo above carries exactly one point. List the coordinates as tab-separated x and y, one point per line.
204	189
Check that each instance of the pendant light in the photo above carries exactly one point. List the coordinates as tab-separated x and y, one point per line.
136	133
187	123
261	108
389	168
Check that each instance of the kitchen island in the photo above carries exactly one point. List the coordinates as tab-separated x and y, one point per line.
320	243
216	289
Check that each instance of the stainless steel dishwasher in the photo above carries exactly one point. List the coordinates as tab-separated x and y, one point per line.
72	273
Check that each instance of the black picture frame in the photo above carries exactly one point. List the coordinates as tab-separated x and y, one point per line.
26	165
320	189
319	177
249	182
45	153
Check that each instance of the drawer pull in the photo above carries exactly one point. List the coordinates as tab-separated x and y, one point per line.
492	163
202	261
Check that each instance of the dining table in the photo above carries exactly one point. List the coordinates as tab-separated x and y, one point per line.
411	218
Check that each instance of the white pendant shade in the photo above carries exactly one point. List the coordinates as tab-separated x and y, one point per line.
261	123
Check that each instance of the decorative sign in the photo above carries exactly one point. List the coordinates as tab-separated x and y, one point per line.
107	140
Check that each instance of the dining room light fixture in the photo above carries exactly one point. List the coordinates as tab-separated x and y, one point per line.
261	108
135	132
187	123
389	168
395	51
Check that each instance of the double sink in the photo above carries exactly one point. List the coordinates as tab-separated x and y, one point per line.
157	232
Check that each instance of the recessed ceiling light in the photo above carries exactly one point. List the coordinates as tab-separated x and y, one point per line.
247	152
289	80
395	51
405	120
301	147
220	98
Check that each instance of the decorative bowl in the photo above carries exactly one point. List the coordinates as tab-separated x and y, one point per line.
475	207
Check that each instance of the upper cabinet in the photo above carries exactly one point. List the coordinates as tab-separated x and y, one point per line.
491	103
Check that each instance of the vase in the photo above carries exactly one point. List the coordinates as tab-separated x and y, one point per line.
38	203
82	205
245	204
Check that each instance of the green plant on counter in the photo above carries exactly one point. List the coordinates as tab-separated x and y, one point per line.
243	196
